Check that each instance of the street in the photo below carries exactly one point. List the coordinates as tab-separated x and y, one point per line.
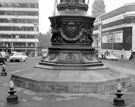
28	98
122	66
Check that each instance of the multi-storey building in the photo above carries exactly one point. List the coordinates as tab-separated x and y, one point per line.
115	32
19	20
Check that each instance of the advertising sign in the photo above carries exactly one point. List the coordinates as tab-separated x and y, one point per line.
113	37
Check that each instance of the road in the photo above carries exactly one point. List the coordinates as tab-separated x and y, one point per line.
28	98
122	66
15	66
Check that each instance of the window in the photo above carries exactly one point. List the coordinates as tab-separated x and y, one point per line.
31	44
30	36
22	36
5	28
32	13
2	13
32	5
30	28
19	44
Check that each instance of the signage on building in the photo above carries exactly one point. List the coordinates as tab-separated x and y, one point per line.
113	37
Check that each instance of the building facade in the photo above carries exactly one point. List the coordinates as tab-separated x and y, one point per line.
19	20
115	32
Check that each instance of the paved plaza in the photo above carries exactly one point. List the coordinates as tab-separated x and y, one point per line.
28	98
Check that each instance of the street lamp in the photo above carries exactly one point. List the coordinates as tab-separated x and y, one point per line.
35	29
12	47
112	40
7	48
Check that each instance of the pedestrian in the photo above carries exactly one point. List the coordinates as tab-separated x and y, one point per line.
121	56
102	56
131	55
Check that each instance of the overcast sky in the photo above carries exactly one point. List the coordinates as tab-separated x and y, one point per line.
46	8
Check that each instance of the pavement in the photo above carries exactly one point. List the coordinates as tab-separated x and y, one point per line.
28	98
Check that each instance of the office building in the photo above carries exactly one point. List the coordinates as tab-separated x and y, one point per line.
19	20
115	32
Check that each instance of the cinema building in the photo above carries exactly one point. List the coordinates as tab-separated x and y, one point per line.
115	32
19	20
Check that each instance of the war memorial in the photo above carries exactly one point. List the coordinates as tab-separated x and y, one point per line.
71	65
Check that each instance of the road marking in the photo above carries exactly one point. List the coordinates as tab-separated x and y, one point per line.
29	92
24	100
62	99
37	98
132	105
19	89
20	70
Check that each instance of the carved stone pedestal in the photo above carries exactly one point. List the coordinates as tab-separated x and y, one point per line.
71	64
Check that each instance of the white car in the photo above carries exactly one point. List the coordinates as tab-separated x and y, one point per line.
44	53
18	57
111	57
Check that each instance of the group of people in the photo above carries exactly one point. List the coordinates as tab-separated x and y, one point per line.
106	53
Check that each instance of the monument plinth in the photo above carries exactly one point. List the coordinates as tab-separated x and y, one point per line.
71	38
71	64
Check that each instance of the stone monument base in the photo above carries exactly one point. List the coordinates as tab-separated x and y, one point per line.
69	81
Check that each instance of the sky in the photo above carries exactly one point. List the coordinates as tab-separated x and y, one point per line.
46	9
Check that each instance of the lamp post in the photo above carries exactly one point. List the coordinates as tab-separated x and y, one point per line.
112	40
35	29
7	48
112	47
12	47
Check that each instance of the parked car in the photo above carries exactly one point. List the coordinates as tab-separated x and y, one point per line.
44	53
111	57
5	55
18	57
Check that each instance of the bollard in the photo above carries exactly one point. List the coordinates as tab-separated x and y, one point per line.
12	98
118	100
3	73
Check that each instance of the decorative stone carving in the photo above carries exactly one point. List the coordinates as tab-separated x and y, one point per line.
89	57
56	36
70	57
52	56
86	36
72	4
70	32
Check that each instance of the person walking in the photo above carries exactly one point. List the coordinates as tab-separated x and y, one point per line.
131	55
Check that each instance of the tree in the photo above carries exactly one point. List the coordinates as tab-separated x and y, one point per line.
44	40
98	8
